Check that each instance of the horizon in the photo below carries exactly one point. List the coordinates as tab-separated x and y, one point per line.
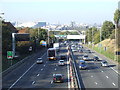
60	11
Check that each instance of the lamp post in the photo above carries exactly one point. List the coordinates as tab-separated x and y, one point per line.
100	38
48	37
92	38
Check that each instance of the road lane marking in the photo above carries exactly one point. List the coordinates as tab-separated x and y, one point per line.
101	71
23	74
38	74
91	76
115	70
107	77
33	82
20	77
114	84
44	65
51	82
41	69
96	83
55	69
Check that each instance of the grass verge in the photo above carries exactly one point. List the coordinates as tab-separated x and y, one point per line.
106	53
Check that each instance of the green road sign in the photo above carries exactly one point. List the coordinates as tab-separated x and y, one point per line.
9	54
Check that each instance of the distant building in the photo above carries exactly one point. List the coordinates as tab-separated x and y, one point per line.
40	24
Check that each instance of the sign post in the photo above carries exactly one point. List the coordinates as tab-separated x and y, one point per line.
10	56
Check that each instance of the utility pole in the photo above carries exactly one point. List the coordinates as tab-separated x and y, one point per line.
92	38
100	39
48	37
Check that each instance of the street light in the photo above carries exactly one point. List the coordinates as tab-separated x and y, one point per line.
48	37
100	38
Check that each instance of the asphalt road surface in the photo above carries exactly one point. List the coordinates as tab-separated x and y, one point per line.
96	76
33	75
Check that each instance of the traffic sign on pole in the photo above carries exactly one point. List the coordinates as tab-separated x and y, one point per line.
9	54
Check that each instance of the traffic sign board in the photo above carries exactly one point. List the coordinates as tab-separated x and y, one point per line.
9	54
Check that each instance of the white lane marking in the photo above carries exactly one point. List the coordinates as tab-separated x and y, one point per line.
88	70
115	70
96	83
20	77
114	84
38	74
101	71
91	76
107	77
33	82
110	67
51	82
41	69
55	69
44	65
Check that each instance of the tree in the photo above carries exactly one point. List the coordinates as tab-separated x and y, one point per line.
107	29
117	17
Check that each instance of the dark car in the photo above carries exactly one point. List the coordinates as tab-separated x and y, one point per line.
57	78
81	51
63	57
82	64
95	58
89	51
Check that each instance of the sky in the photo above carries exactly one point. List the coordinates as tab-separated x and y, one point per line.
59	11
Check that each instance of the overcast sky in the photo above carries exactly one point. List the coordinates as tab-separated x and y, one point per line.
59	11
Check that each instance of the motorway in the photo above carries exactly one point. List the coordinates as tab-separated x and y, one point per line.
96	76
32	75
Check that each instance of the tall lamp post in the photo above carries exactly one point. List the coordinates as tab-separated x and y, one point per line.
48	37
100	38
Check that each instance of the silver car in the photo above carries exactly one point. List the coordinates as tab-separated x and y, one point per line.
39	61
104	63
61	62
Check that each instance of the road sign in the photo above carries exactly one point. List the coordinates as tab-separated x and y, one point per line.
9	54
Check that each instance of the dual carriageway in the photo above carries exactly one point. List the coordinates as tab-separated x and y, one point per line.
32	75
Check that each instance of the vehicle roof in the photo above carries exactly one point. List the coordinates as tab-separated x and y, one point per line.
61	60
104	61
82	61
52	49
57	74
39	58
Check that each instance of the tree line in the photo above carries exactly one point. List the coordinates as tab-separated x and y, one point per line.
95	35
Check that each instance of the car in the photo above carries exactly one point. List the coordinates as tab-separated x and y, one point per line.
39	61
89	51
85	57
82	64
61	62
81	46
63	57
95	58
81	51
104	63
57	78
